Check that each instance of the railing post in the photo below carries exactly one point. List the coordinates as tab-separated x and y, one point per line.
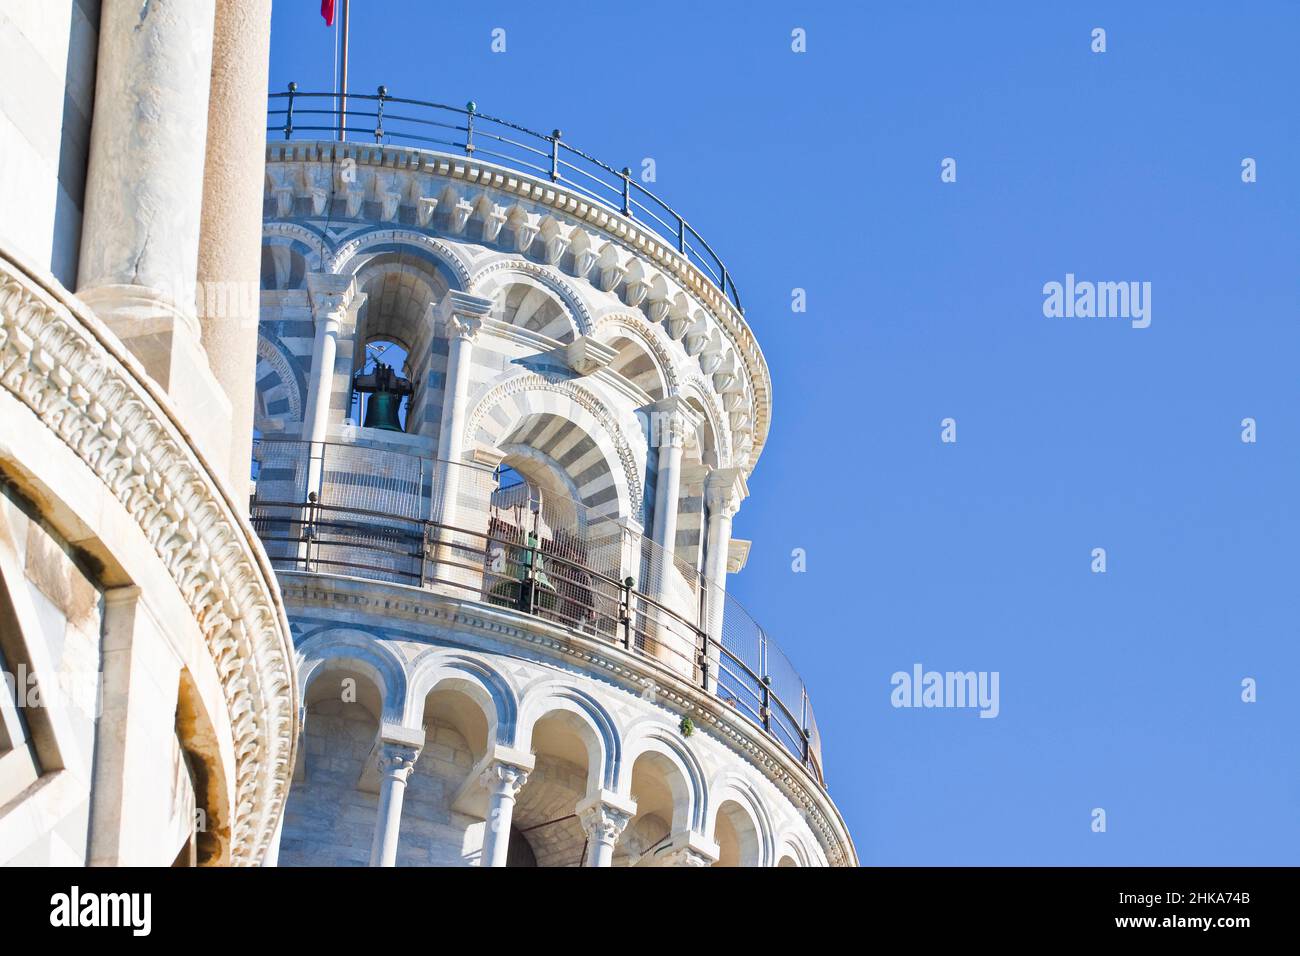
681	237
625	612
704	660
766	709
309	532
379	115
627	191
555	155
288	116
470	109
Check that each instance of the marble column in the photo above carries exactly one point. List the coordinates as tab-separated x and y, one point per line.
604	817
144	198
461	316
230	237
724	490
503	781
671	419
330	296
396	761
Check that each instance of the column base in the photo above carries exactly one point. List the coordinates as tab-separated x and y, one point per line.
165	340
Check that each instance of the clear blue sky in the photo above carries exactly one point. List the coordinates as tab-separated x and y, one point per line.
821	171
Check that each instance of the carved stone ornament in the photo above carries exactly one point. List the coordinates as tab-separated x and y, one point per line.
60	361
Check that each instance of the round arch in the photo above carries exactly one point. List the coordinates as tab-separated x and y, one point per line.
616	325
339	648
350	257
603	740
435	668
502	273
790	846
518	403
732	789
654	738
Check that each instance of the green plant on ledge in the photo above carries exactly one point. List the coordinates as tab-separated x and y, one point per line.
687	726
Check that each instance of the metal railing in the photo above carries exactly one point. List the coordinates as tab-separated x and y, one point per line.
395	119
387	515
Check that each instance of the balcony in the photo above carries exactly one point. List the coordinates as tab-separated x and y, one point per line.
397	120
480	535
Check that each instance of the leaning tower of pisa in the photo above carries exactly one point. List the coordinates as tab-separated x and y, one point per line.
507	405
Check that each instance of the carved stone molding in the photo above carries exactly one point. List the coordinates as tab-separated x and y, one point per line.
61	362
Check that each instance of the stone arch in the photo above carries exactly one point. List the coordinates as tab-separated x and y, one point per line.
432	250
613	326
603	740
731	789
790	846
652	737
483	684
335	648
494	277
500	414
697	391
281	386
527	304
400	284
289	252
637	366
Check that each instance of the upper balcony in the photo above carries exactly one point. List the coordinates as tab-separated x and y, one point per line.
392	119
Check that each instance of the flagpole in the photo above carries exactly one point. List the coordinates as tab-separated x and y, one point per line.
343	98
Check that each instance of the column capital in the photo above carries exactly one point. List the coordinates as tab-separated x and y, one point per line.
671	419
505	770
461	314
397	760
724	490
330	294
689	849
605	815
503	779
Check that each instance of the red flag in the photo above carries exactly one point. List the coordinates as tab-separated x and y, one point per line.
327	11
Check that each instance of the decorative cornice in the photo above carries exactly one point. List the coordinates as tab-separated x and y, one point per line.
59	360
393	602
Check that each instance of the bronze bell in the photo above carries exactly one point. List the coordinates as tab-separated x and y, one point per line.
386	389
